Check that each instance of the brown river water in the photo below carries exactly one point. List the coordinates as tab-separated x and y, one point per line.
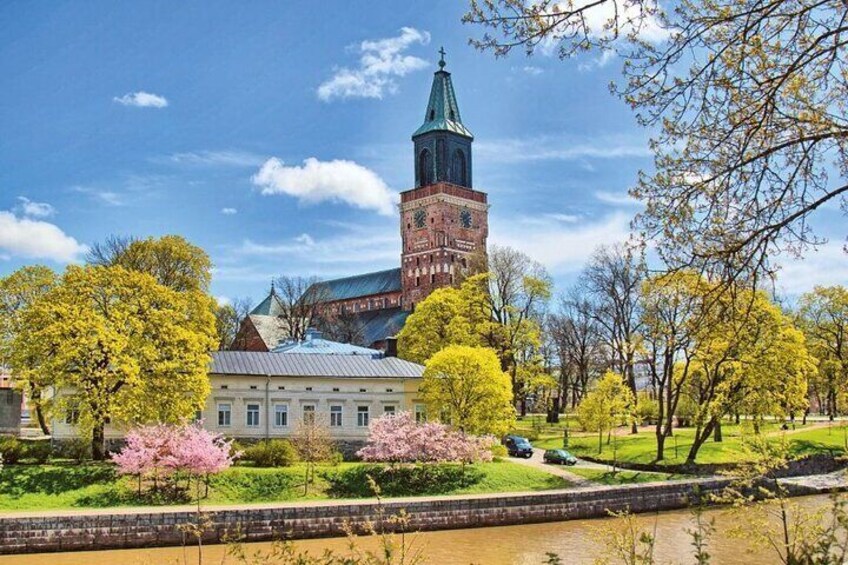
576	541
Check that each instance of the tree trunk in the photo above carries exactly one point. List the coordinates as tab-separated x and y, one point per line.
660	442
553	414
42	421
98	443
700	437
717	432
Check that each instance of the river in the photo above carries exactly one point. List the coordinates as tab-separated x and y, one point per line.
576	541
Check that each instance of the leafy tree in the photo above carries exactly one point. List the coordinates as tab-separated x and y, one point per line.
466	388
18	291
437	322
118	346
823	315
171	260
748	98
608	405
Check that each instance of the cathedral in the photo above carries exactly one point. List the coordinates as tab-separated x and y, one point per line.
443	226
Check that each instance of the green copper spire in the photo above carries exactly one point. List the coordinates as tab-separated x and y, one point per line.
442	109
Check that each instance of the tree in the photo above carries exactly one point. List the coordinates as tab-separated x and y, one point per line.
437	322
171	260
608	405
748	98
823	315
118	346
672	309
18	292
302	300
613	280
312	442
466	388
228	319
398	438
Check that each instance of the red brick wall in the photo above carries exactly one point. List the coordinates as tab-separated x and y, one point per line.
366	303
248	338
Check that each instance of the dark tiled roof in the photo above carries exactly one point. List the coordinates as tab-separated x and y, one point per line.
271	306
300	365
377	325
359	285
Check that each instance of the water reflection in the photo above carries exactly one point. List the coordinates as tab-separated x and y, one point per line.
576	542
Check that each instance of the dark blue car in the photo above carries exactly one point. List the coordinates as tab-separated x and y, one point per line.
517	446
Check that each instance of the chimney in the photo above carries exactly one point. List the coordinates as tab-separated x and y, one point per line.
391	346
312	333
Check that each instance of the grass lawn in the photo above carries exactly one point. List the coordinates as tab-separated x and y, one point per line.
37	487
641	447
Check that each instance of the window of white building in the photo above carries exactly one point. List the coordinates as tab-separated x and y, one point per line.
308	413
362	415
389	409
281	415
335	416
252	415
420	416
224	414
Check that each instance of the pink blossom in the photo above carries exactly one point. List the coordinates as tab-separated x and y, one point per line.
400	439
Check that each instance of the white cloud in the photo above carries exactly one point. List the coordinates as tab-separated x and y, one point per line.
107	197
380	62
142	99
226	158
616	198
321	181
547	148
826	266
532	70
562	248
229	211
35	209
36	239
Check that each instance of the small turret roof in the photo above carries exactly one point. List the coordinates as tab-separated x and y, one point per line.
442	109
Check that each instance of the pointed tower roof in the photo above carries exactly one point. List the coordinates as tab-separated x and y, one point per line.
442	109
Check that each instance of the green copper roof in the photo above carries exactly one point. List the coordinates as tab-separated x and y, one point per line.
442	109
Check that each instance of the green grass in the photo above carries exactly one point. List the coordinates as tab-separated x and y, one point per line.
604	477
49	487
641	447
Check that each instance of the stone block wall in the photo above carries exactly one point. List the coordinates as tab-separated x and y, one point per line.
160	527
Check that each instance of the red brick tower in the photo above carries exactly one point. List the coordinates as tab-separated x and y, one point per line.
444	221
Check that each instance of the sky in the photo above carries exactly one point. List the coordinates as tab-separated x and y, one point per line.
276	135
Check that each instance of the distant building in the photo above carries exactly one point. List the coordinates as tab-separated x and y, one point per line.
444	228
11	405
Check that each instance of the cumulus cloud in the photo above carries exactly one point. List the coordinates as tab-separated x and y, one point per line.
826	265
380	62
327	181
36	239
563	247
142	99
229	211
35	209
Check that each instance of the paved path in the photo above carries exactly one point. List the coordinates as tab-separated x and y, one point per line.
538	462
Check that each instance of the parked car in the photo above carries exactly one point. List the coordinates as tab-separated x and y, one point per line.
559	456
517	446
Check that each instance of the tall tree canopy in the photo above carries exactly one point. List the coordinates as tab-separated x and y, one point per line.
748	99
823	315
119	347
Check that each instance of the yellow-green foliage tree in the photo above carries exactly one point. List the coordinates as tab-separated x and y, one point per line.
748	358
119	346
465	387
438	321
17	292
823	315
608	405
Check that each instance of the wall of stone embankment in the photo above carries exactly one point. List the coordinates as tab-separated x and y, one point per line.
161	527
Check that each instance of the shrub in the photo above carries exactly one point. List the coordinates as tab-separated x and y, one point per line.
274	453
11	449
402	480
498	451
37	451
647	410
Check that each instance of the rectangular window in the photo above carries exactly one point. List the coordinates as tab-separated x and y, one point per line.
224	414
198	415
420	416
281	415
252	415
71	415
389	409
335	416
362	416
308	413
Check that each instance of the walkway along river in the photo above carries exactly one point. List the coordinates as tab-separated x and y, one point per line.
576	541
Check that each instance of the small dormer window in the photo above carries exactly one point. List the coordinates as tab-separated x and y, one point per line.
451	115
432	115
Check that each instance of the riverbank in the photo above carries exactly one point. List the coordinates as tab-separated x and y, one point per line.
151	527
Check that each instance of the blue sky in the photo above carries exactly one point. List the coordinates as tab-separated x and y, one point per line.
276	136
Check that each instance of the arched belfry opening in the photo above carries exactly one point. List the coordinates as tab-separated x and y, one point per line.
425	167
458	168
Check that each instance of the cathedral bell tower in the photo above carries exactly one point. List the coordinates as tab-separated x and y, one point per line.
444	221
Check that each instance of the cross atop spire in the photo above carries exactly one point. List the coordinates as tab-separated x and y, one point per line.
442	60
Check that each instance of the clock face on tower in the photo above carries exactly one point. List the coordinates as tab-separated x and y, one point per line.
420	218
465	218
